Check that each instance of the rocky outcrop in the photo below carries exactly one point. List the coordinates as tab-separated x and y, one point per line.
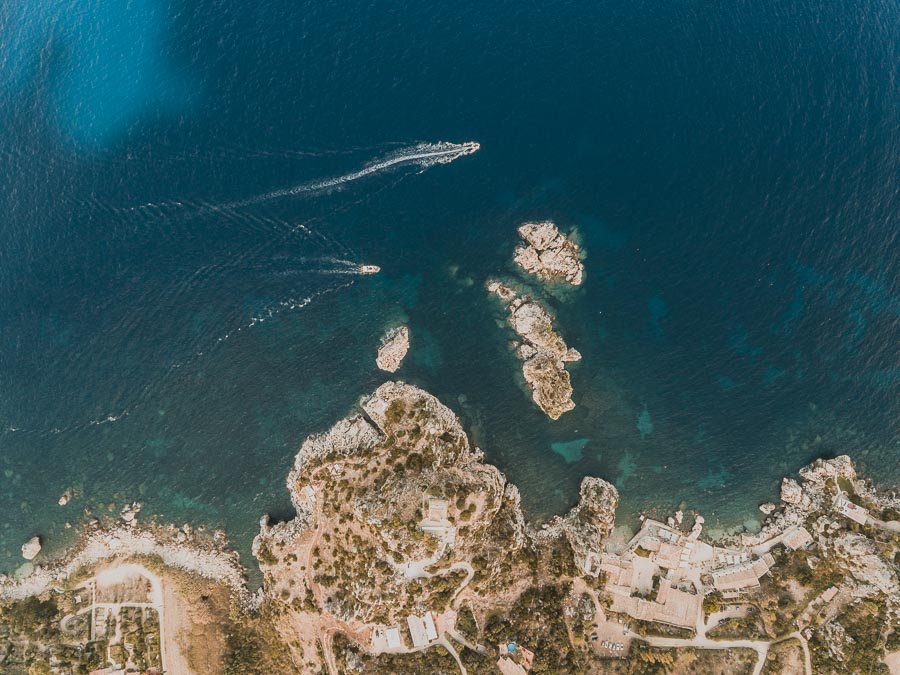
393	348
549	254
791	493
589	524
859	555
543	351
31	548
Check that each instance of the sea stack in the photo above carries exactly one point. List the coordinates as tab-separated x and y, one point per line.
549	254
543	351
393	348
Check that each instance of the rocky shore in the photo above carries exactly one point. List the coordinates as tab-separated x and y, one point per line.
392	349
398	517
543	352
182	548
815	502
549	254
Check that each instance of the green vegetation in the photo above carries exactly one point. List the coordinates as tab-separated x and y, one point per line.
858	635
351	659
253	647
749	627
466	623
783	658
712	603
536	621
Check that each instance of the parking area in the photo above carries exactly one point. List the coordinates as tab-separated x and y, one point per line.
608	636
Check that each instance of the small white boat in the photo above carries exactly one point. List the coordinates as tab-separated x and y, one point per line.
369	269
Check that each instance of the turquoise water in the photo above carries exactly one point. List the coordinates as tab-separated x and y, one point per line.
176	312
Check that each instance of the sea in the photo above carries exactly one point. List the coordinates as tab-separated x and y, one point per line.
189	188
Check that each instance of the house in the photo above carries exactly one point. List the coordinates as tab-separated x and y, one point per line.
422	629
392	637
514	659
430	629
828	595
417	630
743	576
797	539
852	511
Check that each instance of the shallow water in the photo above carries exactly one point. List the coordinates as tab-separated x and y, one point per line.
175	316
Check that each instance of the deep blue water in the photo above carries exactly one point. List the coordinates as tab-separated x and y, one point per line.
731	169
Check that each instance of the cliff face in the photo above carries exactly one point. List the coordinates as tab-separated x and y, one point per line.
589	524
543	351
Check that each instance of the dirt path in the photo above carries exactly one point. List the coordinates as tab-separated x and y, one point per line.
177	621
807	661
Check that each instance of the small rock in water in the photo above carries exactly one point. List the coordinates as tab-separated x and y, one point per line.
129	513
767	508
31	548
66	496
393	348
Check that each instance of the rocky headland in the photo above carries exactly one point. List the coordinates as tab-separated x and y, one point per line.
392	349
549	254
542	350
408	553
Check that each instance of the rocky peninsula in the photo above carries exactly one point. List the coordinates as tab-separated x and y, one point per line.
542	350
392	349
408	553
549	254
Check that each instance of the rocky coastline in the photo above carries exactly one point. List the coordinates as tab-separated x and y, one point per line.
398	516
188	549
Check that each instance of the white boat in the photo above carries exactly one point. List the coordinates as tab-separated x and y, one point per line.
369	269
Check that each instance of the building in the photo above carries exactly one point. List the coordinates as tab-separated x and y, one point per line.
392	637
828	594
853	511
797	539
514	659
422	629
417	630
430	629
618	572
672	607
437	509
743	576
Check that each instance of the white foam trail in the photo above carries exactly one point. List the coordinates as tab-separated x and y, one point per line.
423	155
110	418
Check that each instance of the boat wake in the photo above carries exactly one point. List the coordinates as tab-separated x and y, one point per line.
423	155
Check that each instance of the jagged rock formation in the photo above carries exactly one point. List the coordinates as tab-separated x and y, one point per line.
589	524
549	254
31	548
393	348
543	351
813	502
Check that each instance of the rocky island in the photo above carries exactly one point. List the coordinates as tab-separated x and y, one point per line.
549	254
408	553
392	349
543	352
